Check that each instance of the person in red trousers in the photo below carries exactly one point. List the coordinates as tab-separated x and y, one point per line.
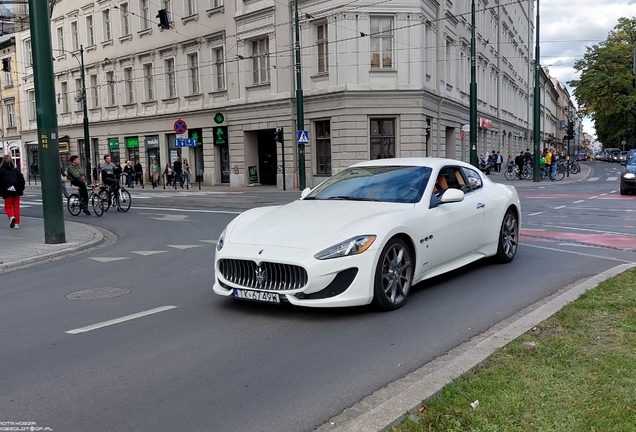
12	187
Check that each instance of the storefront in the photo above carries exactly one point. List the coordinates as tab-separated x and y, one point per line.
132	146
113	149
152	153
196	164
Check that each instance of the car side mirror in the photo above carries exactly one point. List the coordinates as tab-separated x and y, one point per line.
305	192
452	195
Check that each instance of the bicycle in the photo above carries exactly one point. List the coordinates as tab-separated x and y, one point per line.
122	199
75	206
512	172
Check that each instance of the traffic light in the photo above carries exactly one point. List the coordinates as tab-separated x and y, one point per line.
164	21
278	135
570	130
6	65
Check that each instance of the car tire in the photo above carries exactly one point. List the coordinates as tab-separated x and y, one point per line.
393	275
508	238
623	192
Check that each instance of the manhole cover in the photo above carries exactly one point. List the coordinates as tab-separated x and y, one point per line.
97	293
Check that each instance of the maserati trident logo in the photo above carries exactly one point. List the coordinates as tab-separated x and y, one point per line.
261	276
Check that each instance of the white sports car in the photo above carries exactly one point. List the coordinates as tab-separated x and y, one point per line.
368	234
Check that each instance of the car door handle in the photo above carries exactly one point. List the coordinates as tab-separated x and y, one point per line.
481	205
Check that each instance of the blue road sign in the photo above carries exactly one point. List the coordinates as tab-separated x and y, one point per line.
303	137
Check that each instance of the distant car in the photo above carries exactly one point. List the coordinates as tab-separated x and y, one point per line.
368	234
628	177
622	157
581	157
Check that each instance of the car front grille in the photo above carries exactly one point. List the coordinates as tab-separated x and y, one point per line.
264	276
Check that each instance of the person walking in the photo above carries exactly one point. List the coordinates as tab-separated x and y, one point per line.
155	172
64	180
498	161
178	172
186	173
548	163
139	173
555	158
130	174
12	186
168	174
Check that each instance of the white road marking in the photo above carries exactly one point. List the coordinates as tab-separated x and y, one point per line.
146	253
534	214
612	178
208	241
579	245
120	320
593	179
577	253
184	246
579	201
187	210
593	197
171	217
106	259
559	207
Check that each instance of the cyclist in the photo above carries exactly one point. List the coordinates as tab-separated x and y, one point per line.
78	178
109	175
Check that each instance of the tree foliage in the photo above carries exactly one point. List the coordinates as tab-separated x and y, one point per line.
606	90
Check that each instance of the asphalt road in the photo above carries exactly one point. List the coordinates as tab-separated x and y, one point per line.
205	363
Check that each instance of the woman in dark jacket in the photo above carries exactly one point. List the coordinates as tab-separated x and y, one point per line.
12	187
139	173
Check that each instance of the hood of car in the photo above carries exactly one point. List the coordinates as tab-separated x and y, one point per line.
309	223
630	168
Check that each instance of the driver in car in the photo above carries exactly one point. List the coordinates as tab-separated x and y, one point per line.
440	186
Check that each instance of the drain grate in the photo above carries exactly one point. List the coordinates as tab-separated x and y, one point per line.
98	293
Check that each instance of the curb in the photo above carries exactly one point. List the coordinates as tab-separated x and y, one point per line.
388	406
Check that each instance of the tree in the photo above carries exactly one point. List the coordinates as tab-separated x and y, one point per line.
606	90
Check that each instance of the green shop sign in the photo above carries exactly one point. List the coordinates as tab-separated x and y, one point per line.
113	143
132	142
220	135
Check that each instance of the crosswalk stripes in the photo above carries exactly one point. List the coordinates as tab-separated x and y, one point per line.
152	252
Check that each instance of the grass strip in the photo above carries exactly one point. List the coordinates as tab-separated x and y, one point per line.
576	371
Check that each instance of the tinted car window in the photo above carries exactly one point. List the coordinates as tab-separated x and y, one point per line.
474	179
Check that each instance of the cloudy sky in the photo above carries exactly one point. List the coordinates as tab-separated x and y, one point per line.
567	27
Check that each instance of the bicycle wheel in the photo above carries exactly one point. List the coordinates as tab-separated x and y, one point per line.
576	168
560	175
123	200
105	197
98	204
510	174
528	174
74	204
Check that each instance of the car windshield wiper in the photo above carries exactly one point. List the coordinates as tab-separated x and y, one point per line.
350	198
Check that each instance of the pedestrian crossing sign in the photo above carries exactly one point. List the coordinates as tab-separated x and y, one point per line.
303	137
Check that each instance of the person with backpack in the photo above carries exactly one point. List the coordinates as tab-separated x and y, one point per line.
12	186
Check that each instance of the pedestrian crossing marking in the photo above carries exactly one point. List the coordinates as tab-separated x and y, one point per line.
184	246
612	178
107	259
208	241
593	179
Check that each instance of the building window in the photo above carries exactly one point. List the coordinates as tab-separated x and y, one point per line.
63	97
94	92
78	94
217	3
31	105
193	71
10	114
90	33
110	88
149	82
128	82
323	51
106	25
191	7
8	80
382	138
381	43
60	40
125	21
260	61
167	6
75	36
219	66
145	16
171	87
28	53
323	147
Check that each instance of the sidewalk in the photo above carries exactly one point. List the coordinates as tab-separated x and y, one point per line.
26	245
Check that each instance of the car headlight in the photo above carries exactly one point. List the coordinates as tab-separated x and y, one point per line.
629	175
221	241
353	246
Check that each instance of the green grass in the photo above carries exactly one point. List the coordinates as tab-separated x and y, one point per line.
581	376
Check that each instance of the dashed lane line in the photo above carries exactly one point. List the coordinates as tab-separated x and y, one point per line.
120	320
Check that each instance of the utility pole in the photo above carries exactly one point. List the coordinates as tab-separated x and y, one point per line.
87	144
46	113
473	91
300	119
537	106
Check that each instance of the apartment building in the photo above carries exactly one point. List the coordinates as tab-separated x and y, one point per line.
11	140
380	79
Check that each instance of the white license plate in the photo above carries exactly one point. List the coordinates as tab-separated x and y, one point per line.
261	296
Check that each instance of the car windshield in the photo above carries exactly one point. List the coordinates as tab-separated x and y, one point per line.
399	184
632	161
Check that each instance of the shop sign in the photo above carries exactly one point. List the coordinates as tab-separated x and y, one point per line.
64	146
132	142
152	141
252	174
485	123
220	135
113	143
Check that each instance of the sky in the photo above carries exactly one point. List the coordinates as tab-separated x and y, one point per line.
567	27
